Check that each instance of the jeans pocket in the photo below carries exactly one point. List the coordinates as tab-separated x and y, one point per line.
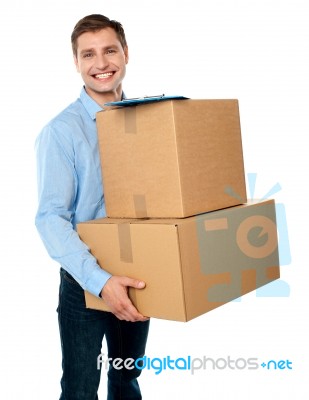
72	300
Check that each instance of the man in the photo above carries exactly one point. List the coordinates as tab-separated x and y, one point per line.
70	191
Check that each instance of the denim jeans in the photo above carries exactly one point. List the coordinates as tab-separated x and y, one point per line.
81	334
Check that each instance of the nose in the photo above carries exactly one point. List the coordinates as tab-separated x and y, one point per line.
101	61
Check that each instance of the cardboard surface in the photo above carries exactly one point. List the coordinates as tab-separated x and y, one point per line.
190	265
171	159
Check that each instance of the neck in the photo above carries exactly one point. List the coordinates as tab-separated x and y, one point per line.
106	97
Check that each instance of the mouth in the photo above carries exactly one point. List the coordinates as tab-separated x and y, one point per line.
103	76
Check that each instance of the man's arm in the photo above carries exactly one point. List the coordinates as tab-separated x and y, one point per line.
57	192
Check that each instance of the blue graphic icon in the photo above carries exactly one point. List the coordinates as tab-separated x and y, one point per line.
278	288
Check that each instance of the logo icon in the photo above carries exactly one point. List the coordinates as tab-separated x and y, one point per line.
241	248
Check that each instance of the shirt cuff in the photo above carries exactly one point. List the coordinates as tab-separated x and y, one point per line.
97	281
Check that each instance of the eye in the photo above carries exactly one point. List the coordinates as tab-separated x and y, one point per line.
110	51
87	55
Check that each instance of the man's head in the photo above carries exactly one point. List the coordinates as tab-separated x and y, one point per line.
100	55
94	23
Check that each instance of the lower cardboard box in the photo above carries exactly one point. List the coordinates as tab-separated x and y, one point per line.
190	265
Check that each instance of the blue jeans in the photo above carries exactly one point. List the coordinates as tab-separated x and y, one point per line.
81	333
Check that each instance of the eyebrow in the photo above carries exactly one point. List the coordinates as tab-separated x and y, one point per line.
112	46
86	50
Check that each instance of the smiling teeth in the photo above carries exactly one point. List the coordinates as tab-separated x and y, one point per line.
101	76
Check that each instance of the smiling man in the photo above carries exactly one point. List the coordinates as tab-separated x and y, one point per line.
70	191
101	59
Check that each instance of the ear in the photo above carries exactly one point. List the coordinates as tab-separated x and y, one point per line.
76	63
126	54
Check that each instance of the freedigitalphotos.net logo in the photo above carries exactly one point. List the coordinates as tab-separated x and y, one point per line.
192	364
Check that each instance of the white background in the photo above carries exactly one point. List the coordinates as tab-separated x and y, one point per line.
255	51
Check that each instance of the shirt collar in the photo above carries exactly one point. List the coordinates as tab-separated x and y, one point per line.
90	105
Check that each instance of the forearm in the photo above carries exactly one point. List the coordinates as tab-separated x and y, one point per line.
64	246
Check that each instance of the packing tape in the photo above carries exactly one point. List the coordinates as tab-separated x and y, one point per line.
140	206
130	120
125	244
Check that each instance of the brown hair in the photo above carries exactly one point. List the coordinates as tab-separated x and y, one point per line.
93	23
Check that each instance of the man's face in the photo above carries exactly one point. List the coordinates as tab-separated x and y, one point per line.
101	61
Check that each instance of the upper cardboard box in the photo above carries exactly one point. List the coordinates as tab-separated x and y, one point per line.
171	159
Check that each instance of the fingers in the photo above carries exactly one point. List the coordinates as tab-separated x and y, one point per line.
135	283
115	295
128	312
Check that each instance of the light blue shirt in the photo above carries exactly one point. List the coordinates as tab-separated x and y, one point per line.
70	189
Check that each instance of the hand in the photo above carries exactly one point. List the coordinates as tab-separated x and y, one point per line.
115	295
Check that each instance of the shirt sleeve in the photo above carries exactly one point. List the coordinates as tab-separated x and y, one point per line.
57	192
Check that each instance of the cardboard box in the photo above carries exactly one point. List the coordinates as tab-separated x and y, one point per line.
190	265
171	159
